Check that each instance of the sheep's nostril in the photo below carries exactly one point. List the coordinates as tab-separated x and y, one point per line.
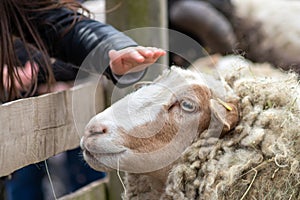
96	133
96	130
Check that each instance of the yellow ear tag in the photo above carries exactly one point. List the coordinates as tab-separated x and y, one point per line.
224	104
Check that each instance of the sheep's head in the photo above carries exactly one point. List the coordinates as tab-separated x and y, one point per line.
150	128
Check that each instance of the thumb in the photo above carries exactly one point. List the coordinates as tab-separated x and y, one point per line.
115	61
113	55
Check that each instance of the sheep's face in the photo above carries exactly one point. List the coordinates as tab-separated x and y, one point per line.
150	128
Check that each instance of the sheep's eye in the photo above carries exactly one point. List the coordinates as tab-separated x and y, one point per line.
188	106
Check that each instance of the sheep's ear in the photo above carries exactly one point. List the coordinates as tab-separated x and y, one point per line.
224	113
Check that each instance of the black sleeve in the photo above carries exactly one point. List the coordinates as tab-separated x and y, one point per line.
87	42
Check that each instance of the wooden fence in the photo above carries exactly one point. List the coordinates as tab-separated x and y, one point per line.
37	128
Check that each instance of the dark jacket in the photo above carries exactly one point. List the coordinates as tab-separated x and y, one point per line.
86	44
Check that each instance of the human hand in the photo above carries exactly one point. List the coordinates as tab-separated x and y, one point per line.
133	59
26	74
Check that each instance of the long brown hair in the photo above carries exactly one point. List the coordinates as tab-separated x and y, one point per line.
15	23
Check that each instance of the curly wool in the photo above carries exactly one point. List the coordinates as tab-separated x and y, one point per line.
259	159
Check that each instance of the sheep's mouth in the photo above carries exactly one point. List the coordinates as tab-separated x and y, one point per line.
95	155
93	159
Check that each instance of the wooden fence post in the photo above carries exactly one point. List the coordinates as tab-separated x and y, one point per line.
135	18
132	15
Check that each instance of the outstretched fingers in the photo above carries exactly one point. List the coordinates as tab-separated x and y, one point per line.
133	58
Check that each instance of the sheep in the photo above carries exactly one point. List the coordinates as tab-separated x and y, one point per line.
260	30
194	136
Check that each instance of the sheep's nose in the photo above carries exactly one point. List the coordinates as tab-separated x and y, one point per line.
95	130
92	131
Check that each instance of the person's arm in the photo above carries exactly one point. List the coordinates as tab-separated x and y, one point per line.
87	37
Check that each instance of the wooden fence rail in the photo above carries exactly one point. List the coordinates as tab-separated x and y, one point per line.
34	129
94	191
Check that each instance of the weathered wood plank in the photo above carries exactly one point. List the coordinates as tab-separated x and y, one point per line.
96	190
34	129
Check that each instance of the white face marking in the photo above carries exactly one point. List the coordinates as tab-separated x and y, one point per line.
144	105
